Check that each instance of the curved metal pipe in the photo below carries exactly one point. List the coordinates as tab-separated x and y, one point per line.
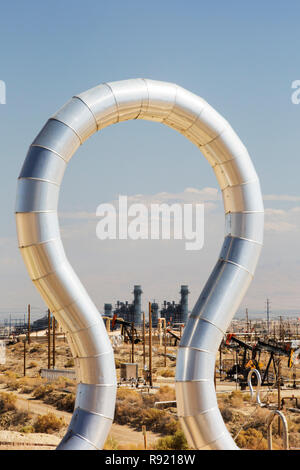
43	253
257	395
285	429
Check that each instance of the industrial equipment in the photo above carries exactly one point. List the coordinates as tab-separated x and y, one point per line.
251	359
128	330
176	313
240	370
128	371
129	312
171	333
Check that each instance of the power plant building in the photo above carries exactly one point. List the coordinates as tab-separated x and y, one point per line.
132	312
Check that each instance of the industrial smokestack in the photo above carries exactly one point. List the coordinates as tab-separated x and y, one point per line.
108	310
137	303
154	308
184	291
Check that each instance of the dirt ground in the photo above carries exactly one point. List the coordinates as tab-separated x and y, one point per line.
244	416
16	440
36	359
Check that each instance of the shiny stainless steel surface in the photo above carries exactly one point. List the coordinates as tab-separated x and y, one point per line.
43	254
257	394
285	434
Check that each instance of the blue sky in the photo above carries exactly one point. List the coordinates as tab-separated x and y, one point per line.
241	57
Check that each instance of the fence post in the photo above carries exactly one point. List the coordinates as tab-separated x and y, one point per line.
145	436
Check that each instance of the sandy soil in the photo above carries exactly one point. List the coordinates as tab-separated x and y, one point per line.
123	434
12	440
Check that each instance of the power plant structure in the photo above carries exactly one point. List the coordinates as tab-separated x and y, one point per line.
129	312
174	313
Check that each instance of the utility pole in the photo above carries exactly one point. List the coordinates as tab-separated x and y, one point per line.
280	329
144	342
268	316
28	311
150	344
53	346
49	339
247	320
278	391
165	346
236	369
24	369
132	342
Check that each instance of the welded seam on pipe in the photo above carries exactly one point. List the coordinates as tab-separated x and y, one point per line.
44	242
207	321
87	106
67	125
246	239
35	178
50	149
116	103
236	264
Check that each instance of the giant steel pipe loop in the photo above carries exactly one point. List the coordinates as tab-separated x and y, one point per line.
43	253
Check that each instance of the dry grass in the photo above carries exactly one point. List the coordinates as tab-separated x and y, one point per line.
167	372
64	382
252	439
69	363
7	402
27	429
66	402
48	423
42	391
111	444
29	384
36	356
174	442
137	410
10	417
165	393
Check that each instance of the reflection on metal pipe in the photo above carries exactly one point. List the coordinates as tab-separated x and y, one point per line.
44	256
257	395
285	429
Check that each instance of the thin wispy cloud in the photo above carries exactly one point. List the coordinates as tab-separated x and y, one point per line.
110	268
281	197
